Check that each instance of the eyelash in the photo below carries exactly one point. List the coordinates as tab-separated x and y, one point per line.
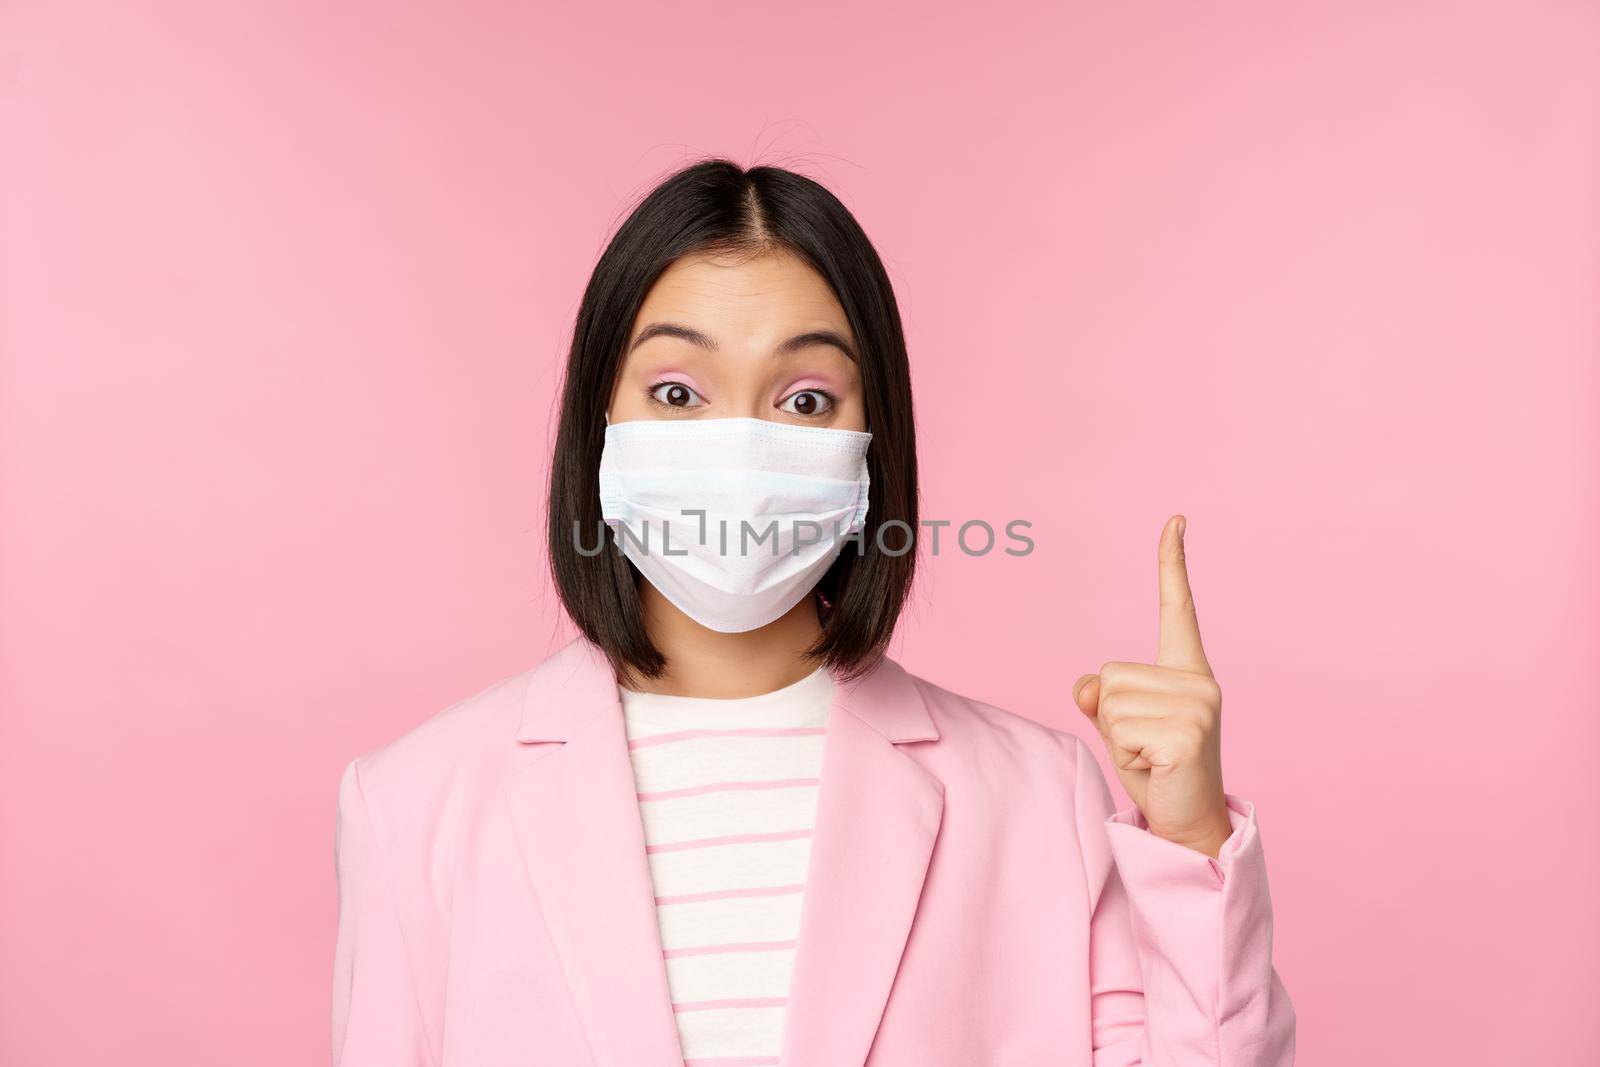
650	395
833	401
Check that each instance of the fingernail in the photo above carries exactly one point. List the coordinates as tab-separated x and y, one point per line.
1183	524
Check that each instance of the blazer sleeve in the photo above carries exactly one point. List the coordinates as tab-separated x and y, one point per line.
376	1018
1180	949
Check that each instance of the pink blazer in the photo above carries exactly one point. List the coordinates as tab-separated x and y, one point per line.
972	899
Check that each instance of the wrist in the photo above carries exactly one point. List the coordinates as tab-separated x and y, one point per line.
1207	838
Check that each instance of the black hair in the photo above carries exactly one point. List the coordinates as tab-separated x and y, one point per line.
717	206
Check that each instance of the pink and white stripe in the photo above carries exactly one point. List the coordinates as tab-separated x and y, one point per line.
727	796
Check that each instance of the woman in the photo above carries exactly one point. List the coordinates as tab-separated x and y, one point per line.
720	827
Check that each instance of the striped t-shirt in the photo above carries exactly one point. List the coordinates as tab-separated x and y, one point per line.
728	795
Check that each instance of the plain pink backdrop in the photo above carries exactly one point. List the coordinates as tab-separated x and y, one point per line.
284	299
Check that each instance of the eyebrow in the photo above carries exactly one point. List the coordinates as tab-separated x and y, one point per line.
700	340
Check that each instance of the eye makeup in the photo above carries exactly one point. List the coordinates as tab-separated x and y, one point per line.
672	375
663	392
812	383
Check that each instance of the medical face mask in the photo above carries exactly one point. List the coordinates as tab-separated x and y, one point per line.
732	520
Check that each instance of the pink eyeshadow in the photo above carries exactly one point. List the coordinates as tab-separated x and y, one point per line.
812	382
675	375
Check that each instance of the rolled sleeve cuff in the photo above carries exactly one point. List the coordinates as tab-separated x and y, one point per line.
1144	858
1203	931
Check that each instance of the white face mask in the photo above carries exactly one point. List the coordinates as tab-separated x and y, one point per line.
778	500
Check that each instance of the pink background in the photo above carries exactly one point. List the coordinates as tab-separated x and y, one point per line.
285	296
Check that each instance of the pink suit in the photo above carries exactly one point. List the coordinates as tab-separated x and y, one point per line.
971	900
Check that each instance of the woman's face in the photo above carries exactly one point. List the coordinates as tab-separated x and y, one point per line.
721	337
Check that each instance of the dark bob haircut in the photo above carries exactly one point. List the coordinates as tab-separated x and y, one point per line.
717	206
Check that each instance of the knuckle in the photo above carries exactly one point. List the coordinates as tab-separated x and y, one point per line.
1184	743
1112	706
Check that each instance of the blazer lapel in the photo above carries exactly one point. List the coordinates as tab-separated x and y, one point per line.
878	815
576	818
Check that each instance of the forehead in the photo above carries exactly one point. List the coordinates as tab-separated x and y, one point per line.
723	293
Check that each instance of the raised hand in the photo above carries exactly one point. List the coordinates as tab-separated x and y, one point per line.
1161	722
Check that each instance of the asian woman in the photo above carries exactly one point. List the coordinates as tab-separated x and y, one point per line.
721	827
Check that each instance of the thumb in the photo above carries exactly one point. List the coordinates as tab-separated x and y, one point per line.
1086	694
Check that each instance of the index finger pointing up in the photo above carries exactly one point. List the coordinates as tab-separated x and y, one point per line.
1180	627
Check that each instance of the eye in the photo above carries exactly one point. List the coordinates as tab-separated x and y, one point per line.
807	402
675	395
